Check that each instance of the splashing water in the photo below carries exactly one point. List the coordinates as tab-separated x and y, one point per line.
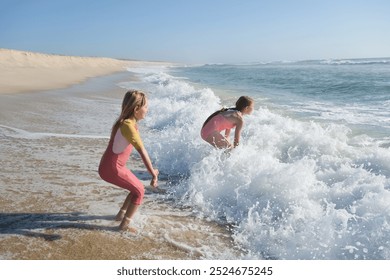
294	189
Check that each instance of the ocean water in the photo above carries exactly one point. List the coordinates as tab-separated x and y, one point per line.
53	203
311	178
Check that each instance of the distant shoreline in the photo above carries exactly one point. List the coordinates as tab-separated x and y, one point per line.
24	71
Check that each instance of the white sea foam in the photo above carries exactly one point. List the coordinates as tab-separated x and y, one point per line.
14	132
356	61
293	190
374	115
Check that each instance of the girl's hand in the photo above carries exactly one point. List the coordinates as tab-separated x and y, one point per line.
154	181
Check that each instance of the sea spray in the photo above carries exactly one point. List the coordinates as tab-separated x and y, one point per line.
294	189
174	122
302	195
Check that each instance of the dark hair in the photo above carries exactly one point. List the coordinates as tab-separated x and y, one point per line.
241	104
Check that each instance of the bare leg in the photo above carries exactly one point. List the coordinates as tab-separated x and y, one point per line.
131	209
218	141
122	211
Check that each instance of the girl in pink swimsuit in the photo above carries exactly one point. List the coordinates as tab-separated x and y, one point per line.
226	119
124	137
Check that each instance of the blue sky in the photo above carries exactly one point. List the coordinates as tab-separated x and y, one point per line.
199	31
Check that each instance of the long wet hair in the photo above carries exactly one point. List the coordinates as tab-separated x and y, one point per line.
241	104
133	99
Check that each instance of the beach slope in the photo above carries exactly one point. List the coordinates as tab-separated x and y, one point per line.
23	71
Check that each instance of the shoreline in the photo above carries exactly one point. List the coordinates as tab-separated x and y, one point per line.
24	71
54	204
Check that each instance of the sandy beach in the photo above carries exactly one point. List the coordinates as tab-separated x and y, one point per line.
53	203
24	71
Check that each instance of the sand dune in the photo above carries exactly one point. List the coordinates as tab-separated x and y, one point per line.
23	71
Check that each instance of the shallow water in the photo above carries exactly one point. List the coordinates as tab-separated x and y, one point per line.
310	180
55	206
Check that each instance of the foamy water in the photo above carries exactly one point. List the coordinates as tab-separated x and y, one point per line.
55	206
310	179
312	185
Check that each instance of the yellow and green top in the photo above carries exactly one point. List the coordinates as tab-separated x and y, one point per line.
128	133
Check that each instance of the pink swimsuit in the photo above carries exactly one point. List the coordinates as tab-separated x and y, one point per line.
217	123
113	168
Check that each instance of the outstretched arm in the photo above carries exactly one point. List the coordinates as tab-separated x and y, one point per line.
237	133
148	164
227	133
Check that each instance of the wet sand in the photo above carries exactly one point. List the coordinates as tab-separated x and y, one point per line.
55	206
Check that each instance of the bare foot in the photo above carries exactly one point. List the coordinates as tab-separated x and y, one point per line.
125	226
130	229
120	215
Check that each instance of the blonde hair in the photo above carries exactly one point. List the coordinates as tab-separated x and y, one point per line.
133	100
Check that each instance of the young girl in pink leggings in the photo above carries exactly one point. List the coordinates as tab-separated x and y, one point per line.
226	119
124	137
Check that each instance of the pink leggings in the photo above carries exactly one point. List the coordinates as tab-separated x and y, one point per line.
112	169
